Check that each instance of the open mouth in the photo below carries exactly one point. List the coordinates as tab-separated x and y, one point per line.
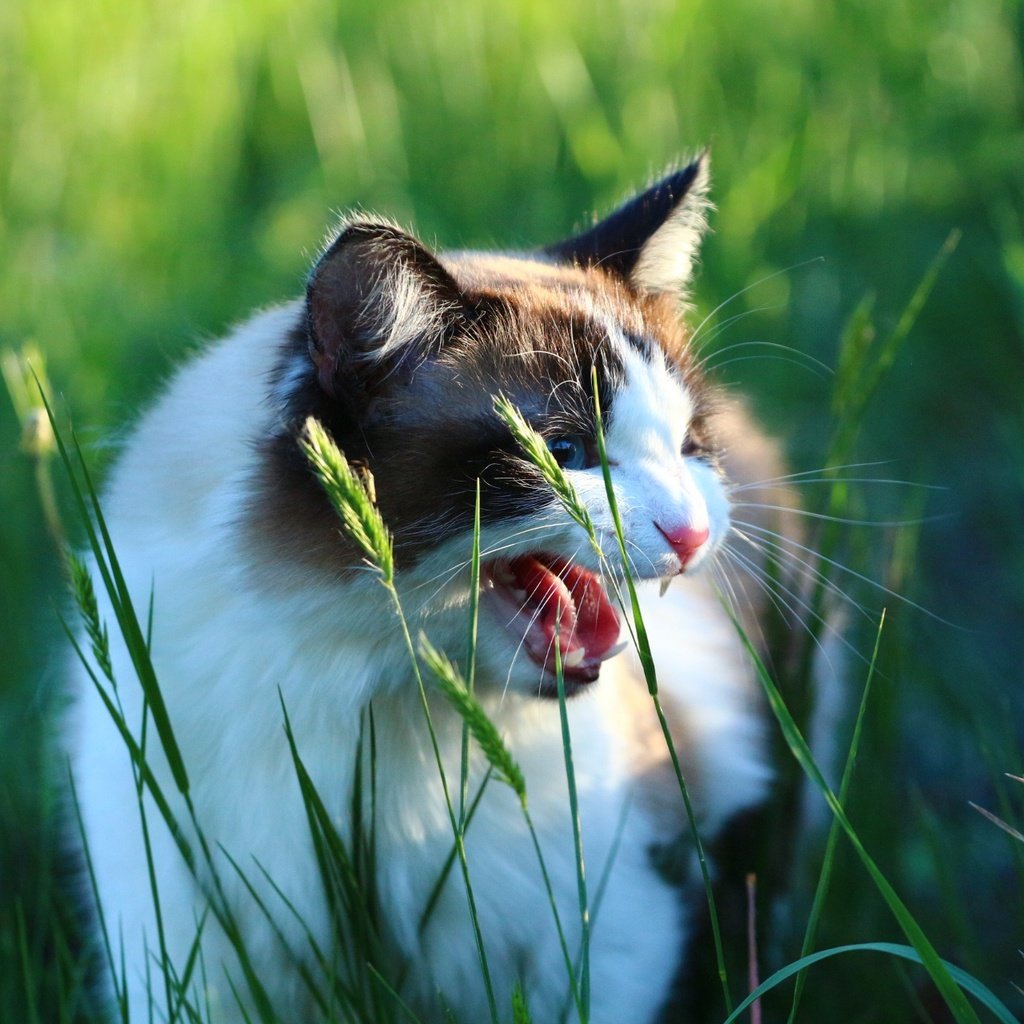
539	596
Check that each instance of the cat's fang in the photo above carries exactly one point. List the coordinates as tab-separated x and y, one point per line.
573	659
664	586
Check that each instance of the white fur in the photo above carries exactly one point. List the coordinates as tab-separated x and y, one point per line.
228	648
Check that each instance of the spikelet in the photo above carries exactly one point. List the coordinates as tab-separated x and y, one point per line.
483	729
352	495
536	451
85	598
520	1011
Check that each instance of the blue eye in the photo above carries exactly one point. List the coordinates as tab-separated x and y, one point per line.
570	452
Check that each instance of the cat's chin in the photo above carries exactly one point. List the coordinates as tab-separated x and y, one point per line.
543	601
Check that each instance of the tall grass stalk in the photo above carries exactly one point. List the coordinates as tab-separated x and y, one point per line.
650	675
352	500
577	834
474	622
862	366
136	643
504	766
537	453
349	892
962	1011
821	890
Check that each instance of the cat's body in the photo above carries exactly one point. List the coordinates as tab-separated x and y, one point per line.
258	602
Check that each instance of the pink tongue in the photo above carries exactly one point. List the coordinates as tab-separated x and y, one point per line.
551	596
571	601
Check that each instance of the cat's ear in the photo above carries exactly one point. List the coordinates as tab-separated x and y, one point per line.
652	240
377	305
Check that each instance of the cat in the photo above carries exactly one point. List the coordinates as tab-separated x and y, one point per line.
262	606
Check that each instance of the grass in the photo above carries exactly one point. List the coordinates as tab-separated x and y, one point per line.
348	869
164	169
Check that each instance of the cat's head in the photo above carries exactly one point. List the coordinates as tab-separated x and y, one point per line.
401	354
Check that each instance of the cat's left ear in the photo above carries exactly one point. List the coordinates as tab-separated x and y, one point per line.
378	304
652	240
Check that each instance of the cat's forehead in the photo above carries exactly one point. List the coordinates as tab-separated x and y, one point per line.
543	315
547	290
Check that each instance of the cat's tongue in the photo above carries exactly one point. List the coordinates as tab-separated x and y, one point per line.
552	596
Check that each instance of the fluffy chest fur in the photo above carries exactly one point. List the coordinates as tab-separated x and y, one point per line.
262	604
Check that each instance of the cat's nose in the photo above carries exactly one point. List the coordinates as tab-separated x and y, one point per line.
685	540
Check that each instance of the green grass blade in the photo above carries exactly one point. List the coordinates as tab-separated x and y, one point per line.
854	346
577	837
962	1011
26	959
504	766
821	891
862	366
965	982
352	496
294	962
181	984
389	990
102	547
337	871
894	342
537	453
453	853
136	753
858	378
474	622
998	822
94	892
456	830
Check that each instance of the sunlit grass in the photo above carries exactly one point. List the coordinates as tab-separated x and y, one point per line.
166	168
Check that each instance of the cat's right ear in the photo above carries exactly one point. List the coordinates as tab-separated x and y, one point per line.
377	305
651	241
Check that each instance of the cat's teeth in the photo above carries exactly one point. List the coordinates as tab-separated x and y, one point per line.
617	649
665	585
519	595
574	658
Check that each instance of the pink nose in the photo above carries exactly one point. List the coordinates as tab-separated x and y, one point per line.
685	540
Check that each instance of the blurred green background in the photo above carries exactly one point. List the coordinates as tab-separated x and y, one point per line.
165	166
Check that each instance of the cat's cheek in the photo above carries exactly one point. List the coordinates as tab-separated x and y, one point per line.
502	661
710	484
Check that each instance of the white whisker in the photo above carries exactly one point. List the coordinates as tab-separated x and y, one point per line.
806	570
804	359
735	295
781	539
838	519
818	476
771	587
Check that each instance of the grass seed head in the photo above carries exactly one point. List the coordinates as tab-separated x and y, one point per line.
351	492
482	728
536	451
85	599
